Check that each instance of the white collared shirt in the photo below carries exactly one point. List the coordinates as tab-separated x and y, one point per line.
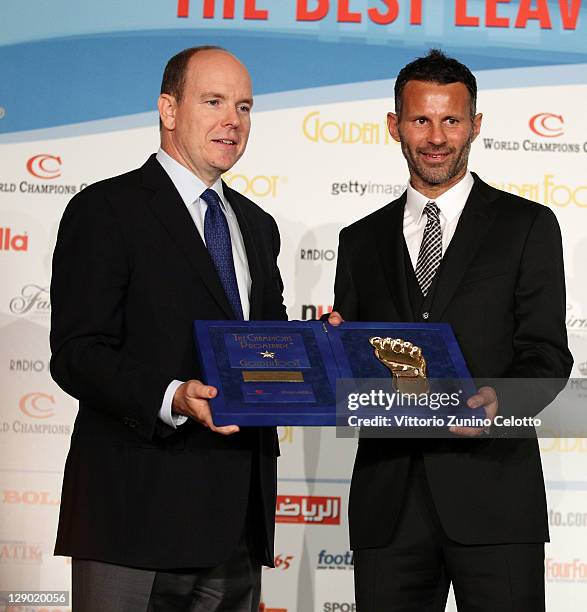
450	204
190	188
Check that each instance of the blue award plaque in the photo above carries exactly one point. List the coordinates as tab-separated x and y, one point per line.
269	372
286	372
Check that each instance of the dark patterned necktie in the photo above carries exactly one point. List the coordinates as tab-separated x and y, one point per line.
219	245
431	248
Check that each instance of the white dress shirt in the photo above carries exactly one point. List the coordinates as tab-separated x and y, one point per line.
190	187
450	203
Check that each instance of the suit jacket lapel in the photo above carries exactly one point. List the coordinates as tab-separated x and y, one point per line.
468	238
172	213
239	206
390	246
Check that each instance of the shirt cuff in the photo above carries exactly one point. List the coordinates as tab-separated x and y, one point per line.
165	414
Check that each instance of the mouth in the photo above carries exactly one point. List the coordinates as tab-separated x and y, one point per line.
435	157
225	142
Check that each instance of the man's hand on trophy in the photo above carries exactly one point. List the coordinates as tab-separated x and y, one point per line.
486	397
191	400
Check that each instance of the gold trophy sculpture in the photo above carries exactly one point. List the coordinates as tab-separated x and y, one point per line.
405	362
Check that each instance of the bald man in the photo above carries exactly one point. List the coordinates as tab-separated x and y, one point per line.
161	509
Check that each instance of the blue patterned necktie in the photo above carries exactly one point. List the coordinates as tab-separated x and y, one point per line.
219	245
430	249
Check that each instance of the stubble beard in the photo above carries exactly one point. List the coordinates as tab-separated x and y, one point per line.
441	175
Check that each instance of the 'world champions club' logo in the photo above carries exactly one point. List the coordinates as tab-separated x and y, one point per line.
547	125
44	166
37	405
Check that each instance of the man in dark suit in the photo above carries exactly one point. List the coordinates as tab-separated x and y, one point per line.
469	510
161	509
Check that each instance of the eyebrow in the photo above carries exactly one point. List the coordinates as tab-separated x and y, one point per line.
212	94
445	116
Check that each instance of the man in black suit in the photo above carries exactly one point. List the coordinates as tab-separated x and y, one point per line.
469	510
161	509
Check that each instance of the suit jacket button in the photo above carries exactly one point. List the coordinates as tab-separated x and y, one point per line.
425	315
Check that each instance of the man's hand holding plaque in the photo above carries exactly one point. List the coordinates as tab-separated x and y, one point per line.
191	400
486	397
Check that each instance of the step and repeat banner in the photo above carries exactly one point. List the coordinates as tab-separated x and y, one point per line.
78	90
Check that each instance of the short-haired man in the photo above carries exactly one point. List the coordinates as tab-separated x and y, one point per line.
161	509
425	513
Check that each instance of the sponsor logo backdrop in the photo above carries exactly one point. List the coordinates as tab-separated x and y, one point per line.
79	106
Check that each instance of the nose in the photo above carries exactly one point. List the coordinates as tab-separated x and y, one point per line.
436	135
231	117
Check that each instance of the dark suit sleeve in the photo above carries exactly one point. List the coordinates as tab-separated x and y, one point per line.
275	308
540	339
91	273
346	300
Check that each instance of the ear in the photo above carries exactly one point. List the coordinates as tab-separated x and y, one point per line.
477	124
167	106
392	126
